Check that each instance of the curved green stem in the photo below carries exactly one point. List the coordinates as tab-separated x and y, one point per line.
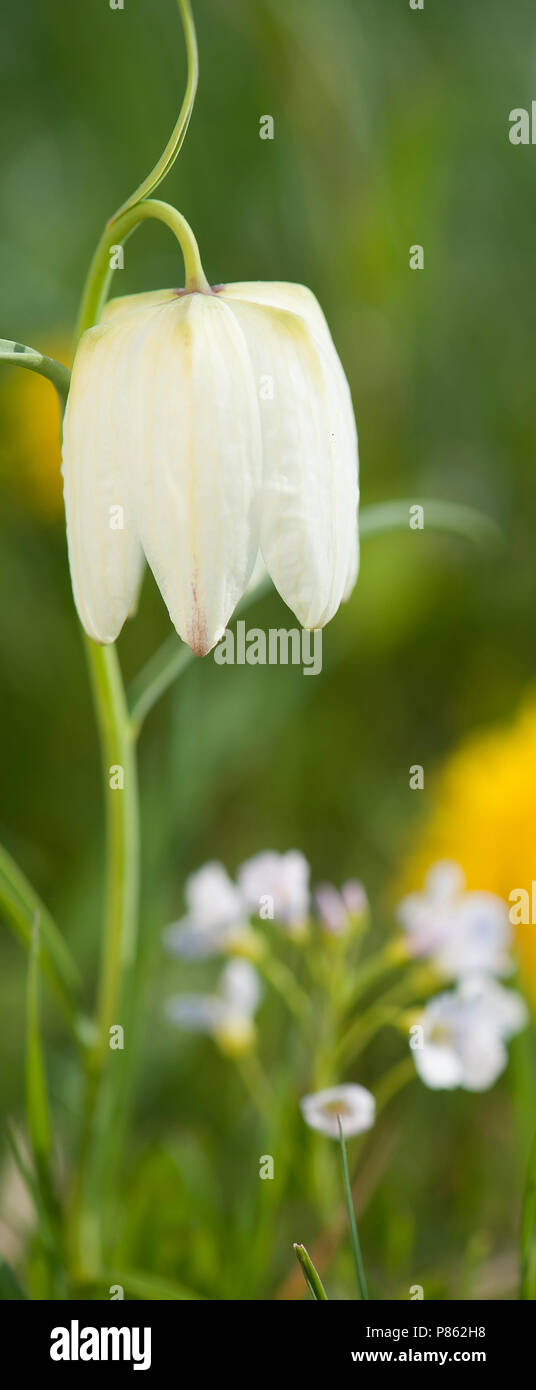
167	159
19	355
100	271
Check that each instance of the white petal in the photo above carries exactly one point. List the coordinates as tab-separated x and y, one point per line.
105	556
354	1104
310	466
240	987
199	1013
282	877
192	941
484	1057
438	1066
331	908
281	294
300	300
444	881
213	899
194	435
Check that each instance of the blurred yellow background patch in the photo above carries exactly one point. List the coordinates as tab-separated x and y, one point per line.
30	457
484	818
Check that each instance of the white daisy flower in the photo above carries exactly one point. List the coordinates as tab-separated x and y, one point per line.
354	1105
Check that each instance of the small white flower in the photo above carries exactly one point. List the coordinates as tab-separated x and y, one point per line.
279	883
462	933
336	910
215	915
226	1016
354	1105
464	1034
166	425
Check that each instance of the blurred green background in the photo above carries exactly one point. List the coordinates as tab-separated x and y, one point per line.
391	128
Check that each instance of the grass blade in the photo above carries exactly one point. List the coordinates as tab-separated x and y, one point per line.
312	1278
351	1218
36	1088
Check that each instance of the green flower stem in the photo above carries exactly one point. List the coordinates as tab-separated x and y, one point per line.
18	355
381	1014
169	155
118	955
115	233
382	962
284	982
358	1258
256	1083
119	945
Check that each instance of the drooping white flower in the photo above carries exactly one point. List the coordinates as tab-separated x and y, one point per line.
277	885
202	429
337	910
464	1033
355	1106
464	933
215	917
228	1015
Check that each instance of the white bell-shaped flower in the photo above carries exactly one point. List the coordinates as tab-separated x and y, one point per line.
205	430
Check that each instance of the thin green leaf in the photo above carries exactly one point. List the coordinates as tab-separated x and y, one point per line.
169	661
36	1088
438	516
19	1161
310	1274
149	1286
351	1218
21	903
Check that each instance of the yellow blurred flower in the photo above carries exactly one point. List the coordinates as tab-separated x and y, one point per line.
30	458
484	818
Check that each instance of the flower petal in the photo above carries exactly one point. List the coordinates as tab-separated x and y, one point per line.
310	490
194	435
105	555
